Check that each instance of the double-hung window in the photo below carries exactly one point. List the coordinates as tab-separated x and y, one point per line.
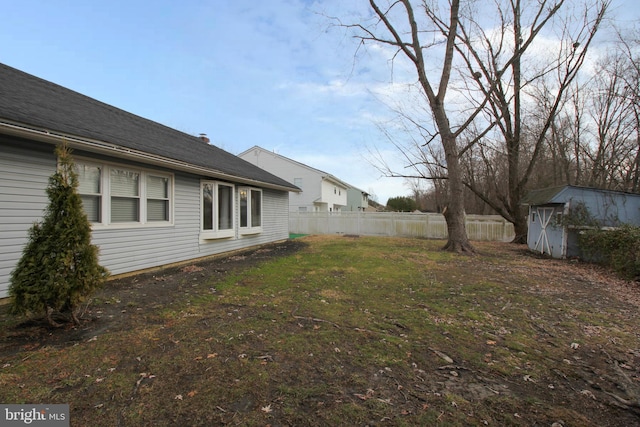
90	190
217	210
125	195
157	198
250	210
115	195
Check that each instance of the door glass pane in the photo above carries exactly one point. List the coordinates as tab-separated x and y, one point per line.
207	206
243	208
256	208
225	205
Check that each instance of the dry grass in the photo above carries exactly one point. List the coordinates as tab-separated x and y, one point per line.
344	331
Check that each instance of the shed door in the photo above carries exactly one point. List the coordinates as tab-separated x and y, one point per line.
542	243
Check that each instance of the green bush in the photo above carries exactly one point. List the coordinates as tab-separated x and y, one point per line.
401	204
618	248
59	266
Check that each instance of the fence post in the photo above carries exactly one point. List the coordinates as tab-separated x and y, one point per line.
392	232
328	218
427	228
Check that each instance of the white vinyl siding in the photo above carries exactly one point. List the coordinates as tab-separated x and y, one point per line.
24	173
334	197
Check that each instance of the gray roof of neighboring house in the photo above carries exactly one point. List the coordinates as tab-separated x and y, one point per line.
40	104
318	171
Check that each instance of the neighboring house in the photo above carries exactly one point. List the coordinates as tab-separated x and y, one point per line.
550	234
321	192
357	200
155	196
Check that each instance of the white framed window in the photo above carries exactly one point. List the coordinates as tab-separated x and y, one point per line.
90	190
250	210
123	196
218	207
158	201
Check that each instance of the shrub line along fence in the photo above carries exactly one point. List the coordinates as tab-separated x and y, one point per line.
400	224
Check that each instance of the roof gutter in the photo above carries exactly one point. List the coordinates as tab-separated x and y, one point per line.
101	147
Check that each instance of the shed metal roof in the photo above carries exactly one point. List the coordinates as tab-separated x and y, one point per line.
543	196
563	193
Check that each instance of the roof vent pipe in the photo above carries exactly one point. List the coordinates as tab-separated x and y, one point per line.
204	138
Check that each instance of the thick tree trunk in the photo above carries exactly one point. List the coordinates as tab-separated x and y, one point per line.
454	213
458	241
520	227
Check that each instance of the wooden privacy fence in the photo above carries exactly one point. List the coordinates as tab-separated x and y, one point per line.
426	225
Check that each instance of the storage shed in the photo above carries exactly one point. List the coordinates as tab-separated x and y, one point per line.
549	234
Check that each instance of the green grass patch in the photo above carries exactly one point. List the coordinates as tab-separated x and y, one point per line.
345	332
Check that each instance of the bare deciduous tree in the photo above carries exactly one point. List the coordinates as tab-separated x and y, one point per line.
509	64
593	140
490	68
612	117
389	29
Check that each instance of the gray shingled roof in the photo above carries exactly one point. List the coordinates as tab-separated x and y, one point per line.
39	103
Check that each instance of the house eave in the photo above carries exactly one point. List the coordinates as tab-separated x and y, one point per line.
336	181
101	147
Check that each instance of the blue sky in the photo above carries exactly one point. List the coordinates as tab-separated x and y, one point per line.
271	73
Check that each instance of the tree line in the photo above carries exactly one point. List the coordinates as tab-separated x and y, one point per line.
511	96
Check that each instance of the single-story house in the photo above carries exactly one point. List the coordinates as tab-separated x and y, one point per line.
155	196
549	231
321	191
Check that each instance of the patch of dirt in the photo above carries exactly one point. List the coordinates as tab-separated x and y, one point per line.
125	302
559	276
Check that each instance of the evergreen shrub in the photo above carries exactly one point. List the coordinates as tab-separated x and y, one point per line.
59	267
